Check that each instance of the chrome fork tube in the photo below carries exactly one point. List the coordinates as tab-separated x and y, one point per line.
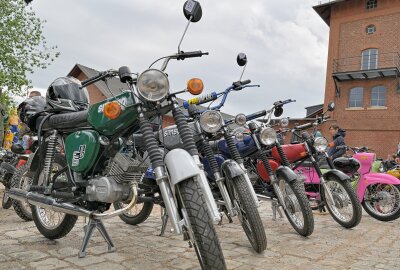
250	186
224	193
328	193
168	199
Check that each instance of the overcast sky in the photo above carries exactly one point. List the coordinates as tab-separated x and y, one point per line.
285	42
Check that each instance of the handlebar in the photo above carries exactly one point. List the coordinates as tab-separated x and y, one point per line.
281	103
100	76
305	126
184	55
239	84
200	100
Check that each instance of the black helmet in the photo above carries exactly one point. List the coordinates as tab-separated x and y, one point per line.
29	109
66	94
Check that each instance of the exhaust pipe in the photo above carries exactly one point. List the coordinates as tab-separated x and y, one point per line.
67	208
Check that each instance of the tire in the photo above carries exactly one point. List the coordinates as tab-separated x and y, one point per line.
205	242
145	211
66	222
352	198
249	216
297	203
373	211
6	202
22	209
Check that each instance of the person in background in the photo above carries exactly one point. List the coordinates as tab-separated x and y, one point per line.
338	135
34	93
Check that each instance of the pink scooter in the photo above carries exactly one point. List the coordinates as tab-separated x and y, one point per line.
379	193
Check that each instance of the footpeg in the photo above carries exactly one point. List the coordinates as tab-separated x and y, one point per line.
89	228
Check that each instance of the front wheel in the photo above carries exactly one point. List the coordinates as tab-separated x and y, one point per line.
201	227
248	214
382	201
346	209
296	206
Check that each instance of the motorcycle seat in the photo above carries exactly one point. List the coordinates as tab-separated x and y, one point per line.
64	120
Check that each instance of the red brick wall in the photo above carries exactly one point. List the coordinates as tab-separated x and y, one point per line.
378	129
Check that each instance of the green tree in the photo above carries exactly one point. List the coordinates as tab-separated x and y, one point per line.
23	47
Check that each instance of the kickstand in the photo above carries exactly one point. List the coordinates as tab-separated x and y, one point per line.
89	228
275	208
164	220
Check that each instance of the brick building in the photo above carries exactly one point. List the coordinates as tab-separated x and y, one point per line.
363	70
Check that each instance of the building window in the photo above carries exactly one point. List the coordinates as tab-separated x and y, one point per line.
356	97
371	29
372	4
378	96
369	59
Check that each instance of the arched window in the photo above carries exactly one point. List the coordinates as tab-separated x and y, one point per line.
371	4
369	59
370	29
356	97
378	96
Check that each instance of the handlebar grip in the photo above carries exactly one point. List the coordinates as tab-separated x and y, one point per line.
245	82
256	115
184	55
92	79
305	126
200	100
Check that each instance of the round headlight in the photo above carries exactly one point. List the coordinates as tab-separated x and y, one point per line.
2	153
320	144
153	85
268	136
239	133
211	121
284	122
240	119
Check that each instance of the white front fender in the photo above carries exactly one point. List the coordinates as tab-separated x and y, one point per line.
180	166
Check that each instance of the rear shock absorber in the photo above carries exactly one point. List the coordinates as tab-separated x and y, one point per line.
48	160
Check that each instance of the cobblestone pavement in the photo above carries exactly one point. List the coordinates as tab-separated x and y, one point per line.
372	245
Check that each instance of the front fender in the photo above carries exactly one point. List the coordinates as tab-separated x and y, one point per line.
288	174
180	166
373	179
231	169
337	174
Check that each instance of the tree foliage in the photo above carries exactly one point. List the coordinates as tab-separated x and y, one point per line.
23	47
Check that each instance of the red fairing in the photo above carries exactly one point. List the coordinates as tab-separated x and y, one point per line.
263	172
294	152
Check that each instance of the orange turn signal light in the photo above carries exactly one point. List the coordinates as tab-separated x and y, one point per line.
331	144
112	110
303	154
195	86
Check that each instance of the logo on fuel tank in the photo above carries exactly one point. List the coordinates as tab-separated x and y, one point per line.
78	155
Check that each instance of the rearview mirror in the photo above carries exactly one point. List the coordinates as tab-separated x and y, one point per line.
278	111
241	59
192	11
331	106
